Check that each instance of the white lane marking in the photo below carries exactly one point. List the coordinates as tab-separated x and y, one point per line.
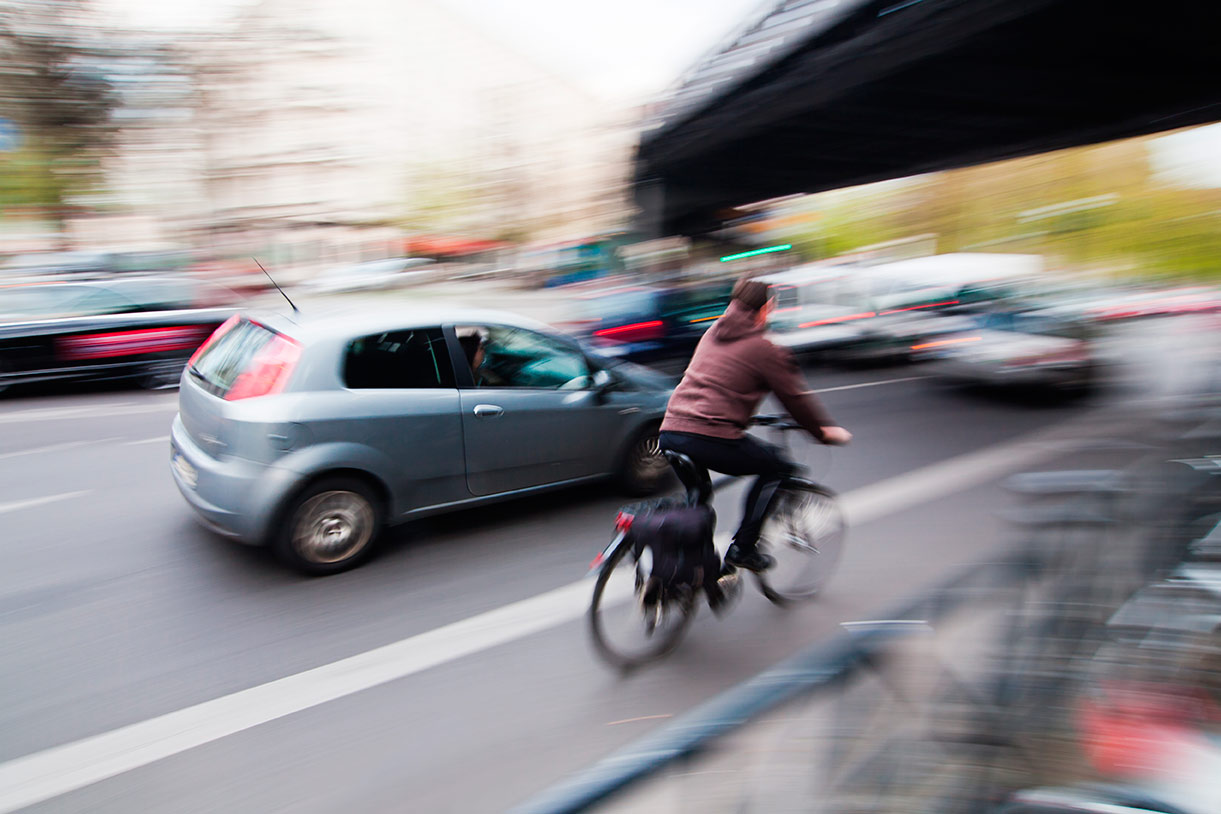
52	772
641	718
160	439
51	448
871	384
39	501
54	413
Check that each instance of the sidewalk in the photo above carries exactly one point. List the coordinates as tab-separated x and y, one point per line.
803	756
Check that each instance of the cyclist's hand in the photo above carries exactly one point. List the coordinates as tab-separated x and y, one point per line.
836	436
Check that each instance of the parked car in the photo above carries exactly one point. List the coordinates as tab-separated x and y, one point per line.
310	434
143	329
649	324
373	274
1015	350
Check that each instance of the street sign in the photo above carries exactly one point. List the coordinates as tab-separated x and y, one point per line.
10	135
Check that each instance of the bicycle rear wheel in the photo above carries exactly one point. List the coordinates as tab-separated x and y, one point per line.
804	531
628	628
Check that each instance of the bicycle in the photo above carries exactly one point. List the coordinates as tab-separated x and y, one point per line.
803	529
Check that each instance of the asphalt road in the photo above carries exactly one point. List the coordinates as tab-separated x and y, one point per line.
151	666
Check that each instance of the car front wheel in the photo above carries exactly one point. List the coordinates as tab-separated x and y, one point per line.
330	527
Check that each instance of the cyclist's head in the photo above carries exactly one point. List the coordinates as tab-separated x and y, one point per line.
752	294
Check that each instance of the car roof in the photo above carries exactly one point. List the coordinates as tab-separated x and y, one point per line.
960	268
314	324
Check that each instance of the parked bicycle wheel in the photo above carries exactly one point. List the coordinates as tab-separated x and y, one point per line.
629	627
804	532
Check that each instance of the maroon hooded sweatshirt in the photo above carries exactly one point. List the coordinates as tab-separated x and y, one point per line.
733	368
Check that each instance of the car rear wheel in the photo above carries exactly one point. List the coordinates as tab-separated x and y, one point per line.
330	527
644	469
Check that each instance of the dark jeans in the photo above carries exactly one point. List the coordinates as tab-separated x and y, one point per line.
738	456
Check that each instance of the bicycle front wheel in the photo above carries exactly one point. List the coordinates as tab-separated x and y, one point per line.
804	532
629	626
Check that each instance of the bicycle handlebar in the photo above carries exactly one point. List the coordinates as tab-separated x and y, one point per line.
779	422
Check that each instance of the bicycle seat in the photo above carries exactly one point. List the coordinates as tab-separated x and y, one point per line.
695	478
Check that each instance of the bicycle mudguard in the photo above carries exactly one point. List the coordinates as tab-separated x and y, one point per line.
619	540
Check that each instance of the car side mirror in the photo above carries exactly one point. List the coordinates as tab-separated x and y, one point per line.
603	382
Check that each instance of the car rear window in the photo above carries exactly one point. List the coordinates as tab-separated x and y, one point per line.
229	356
411	359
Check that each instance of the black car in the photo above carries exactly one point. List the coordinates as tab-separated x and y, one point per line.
144	329
650	324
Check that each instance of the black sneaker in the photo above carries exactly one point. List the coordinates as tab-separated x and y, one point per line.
750	559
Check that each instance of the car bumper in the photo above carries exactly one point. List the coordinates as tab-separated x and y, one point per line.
231	496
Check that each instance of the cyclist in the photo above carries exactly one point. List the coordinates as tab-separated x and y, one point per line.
733	368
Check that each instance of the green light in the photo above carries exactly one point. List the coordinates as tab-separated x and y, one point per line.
768	250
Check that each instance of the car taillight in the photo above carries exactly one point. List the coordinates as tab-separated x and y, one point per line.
224	328
634	332
268	371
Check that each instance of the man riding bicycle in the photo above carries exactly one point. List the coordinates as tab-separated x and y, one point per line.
733	368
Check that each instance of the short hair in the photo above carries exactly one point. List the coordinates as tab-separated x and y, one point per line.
751	293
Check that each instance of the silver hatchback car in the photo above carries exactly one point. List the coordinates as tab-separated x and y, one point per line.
310	434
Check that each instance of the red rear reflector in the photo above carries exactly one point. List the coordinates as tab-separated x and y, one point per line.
217	334
268	371
635	332
596	562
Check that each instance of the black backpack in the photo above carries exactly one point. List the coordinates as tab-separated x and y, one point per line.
678	537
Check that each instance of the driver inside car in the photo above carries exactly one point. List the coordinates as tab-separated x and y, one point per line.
474	346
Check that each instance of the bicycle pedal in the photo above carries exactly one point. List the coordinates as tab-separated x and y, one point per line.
729	586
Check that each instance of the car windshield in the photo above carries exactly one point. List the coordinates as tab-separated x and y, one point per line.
47	301
120	297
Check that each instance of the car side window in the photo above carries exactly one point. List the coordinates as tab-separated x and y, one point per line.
400	360
100	301
514	357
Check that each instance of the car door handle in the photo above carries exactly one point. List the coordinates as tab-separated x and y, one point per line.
488	410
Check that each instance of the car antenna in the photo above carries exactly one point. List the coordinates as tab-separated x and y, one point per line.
296	310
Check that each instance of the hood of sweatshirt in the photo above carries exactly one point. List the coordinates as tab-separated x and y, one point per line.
738	322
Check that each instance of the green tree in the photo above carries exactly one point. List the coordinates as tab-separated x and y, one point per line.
53	86
1096	207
